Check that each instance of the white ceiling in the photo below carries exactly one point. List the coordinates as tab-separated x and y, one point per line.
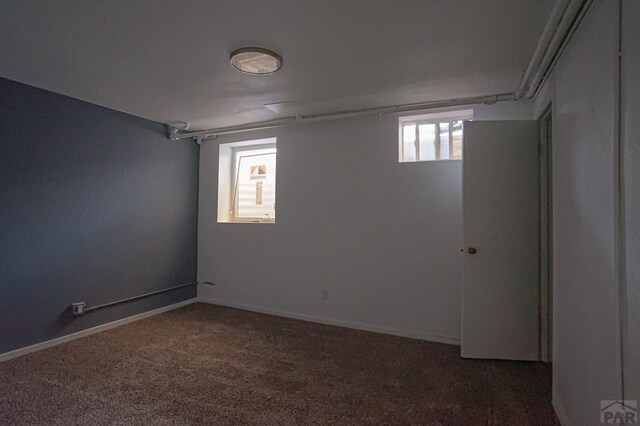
168	60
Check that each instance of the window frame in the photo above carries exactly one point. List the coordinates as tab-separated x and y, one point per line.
235	170
426	119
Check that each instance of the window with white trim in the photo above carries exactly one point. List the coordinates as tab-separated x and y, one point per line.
247	182
432	137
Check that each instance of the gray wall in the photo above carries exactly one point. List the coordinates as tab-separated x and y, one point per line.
96	205
631	152
586	314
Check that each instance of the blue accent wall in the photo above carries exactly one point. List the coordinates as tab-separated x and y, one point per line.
95	206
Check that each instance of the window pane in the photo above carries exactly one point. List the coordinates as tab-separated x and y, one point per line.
256	185
444	141
427	148
408	142
457	140
439	136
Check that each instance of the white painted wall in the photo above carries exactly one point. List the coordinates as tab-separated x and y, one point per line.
631	140
586	348
382	237
504	111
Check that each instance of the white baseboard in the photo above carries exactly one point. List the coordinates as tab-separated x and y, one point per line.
560	412
340	323
93	330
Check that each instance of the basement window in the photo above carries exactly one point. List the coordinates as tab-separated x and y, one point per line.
247	182
432	137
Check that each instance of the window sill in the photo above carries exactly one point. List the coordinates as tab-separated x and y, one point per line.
430	161
256	221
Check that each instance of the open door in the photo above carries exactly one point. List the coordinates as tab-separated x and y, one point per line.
500	302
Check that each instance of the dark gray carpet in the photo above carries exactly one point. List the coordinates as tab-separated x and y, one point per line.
204	364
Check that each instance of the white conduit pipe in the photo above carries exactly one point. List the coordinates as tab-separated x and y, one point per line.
559	27
563	30
578	19
176	134
549	31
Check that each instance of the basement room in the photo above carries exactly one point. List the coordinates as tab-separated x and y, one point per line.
319	212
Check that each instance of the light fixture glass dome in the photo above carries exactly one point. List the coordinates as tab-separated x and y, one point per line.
256	61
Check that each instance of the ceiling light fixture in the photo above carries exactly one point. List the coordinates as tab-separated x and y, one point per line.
255	61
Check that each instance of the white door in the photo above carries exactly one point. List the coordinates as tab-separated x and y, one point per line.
500	301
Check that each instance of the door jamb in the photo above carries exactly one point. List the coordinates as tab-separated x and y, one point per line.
546	234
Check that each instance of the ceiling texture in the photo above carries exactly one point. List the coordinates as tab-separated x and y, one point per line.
168	60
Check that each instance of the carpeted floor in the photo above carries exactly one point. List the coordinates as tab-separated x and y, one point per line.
204	364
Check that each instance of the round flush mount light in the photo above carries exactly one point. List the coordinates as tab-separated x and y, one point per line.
256	61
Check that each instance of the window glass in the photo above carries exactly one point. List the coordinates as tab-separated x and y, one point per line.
255	185
432	137
409	137
427	146
247	181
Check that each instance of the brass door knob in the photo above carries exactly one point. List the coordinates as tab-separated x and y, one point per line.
472	250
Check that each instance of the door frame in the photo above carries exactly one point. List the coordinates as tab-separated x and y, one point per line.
545	152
